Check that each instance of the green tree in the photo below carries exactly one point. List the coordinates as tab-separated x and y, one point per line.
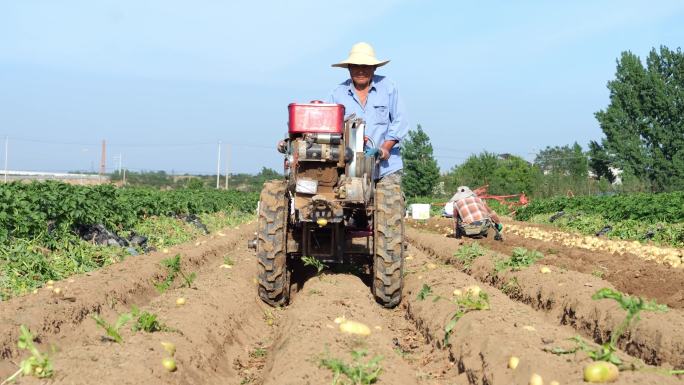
599	162
250	183
268	174
157	179
421	172
563	160
644	122
514	175
507	174
195	183
476	171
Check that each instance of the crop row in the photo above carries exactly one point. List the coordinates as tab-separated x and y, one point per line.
48	210
665	207
661	233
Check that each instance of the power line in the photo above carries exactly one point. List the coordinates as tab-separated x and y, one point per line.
136	145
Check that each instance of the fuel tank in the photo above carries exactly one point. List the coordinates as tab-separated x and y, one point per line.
316	117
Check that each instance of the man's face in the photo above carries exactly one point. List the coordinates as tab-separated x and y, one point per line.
361	75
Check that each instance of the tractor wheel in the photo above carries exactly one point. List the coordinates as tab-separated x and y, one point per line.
274	277
388	261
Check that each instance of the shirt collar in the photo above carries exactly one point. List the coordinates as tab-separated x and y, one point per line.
373	85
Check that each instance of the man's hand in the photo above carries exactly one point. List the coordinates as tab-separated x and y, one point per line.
386	147
384	154
379	153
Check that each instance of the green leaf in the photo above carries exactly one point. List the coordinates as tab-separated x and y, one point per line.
424	292
122	320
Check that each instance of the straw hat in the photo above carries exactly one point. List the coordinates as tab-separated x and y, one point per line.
462	193
361	54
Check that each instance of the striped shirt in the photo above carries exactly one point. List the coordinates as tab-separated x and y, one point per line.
471	209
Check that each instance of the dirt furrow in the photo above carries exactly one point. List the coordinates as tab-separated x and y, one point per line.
482	341
225	335
627	272
221	311
309	336
565	296
123	283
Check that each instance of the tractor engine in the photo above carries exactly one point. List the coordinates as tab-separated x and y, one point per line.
329	179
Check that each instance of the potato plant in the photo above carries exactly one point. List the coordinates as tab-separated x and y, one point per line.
633	306
28	210
656	217
146	321
467	254
315	262
112	330
38	364
608	351
469	299
357	372
173	270
642	206
40	225
520	258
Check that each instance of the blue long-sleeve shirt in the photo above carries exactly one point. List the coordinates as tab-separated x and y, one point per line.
384	115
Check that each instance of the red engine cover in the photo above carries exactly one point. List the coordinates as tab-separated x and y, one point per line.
316	117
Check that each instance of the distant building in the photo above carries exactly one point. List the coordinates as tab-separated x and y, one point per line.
616	172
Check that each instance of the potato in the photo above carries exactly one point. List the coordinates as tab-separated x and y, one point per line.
353	327
600	372
536	379
513	362
169	364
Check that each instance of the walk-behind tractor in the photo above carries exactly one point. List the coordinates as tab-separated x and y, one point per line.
329	207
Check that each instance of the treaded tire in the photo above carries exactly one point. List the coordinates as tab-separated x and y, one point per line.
388	259
274	277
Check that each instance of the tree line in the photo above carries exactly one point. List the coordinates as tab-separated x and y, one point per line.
643	147
161	179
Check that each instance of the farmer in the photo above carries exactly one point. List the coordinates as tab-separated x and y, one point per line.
375	99
472	217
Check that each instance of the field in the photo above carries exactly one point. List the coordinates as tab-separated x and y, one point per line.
536	296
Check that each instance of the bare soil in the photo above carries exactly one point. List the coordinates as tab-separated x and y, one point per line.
225	335
628	273
565	295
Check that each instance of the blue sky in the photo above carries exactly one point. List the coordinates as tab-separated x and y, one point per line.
164	80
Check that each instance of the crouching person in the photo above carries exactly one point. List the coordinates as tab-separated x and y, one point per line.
472	217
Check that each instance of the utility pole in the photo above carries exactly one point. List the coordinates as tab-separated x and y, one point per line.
118	159
6	151
227	164
218	166
103	159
